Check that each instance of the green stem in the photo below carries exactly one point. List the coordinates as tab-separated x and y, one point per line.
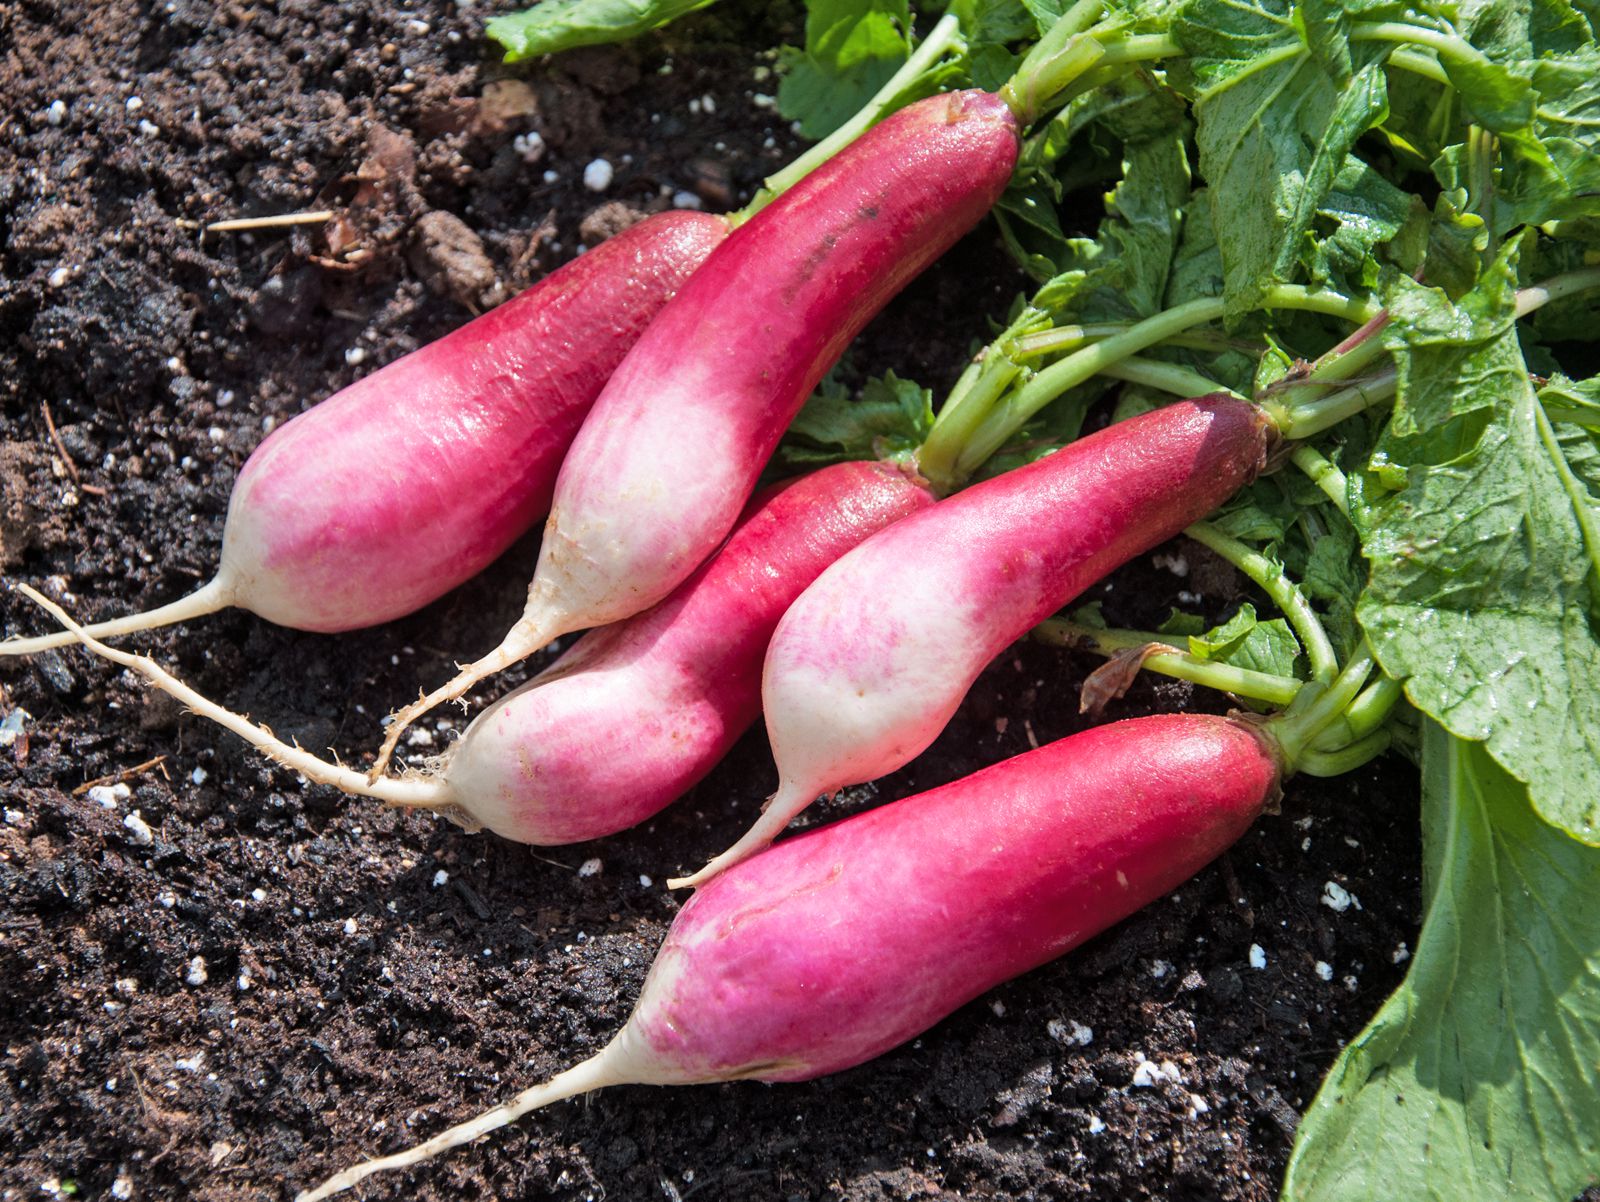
1363	716
969	402
1298	727
1139	48
1165	377
1313	417
1041	78
1265	687
1556	288
1285	594
1324	473
1016	409
1447	46
1346	759
1068	338
1480	170
941	37
1420	64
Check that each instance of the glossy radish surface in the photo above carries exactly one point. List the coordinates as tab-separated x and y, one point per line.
870	663
637	712
833	947
411	480
673	447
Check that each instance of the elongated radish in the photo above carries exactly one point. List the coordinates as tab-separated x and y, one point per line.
673	686
668	457
401	486
833	947
871	662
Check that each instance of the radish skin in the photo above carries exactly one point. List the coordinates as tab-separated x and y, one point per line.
673	447
675	685
833	947
872	661
411	480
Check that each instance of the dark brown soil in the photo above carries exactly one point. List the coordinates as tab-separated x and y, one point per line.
281	980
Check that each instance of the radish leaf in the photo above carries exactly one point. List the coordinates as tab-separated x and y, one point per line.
1274	129
851	51
1480	1077
1483	565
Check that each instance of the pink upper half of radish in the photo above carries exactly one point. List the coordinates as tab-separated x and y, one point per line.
637	712
663	466
830	948
411	480
871	662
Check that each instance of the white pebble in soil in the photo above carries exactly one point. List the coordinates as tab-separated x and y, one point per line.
139	829
590	868
440	877
597	175
1147	1074
56	113
1337	898
196	973
1258	956
1324	970
686	200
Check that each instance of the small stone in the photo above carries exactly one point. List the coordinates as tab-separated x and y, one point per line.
1324	970
686	200
597	175
56	113
139	829
590	868
355	356
1337	898
196	974
133	104
440	877
1258	956
199	776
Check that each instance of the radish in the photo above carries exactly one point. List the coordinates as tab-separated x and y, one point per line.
674	445
675	685
874	658
833	947
411	480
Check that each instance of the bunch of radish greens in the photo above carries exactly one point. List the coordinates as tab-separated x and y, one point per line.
1333	323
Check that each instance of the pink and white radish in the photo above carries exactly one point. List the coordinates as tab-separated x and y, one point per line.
874	658
411	480
833	947
674	686
674	445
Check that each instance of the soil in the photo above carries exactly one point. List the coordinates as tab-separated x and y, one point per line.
225	984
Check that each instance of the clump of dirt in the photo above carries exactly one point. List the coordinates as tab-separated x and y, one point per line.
221	983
